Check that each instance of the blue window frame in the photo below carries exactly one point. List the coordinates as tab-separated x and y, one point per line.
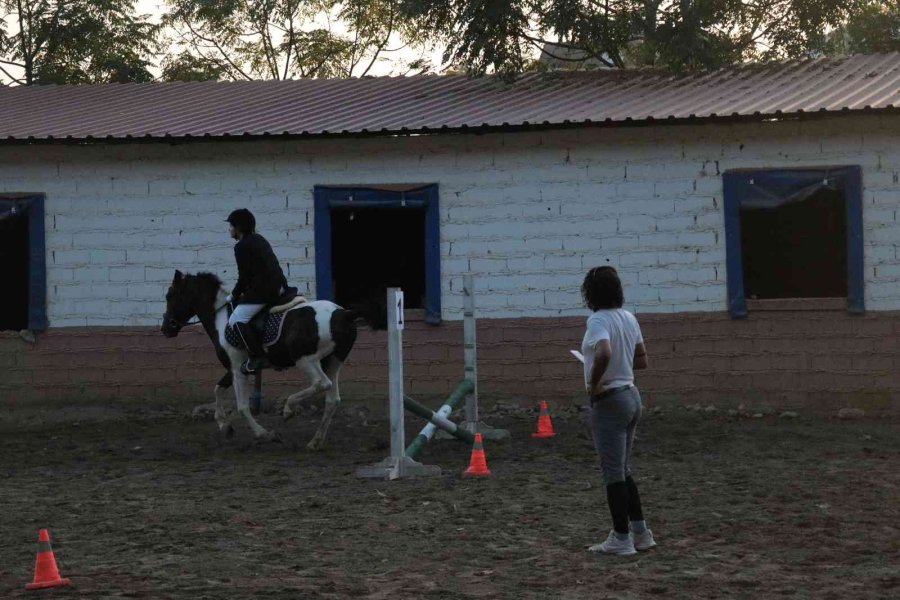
328	198
33	206
773	188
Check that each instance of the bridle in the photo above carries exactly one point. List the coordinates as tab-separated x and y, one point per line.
179	324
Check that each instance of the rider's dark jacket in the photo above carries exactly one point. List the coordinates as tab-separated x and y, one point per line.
260	278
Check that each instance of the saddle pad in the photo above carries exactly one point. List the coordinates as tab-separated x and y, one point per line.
271	331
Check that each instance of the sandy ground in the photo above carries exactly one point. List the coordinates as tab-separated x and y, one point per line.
150	503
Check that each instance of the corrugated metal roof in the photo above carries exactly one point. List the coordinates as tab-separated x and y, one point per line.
391	105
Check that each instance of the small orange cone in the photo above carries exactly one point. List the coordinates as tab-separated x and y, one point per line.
478	462
46	575
544	425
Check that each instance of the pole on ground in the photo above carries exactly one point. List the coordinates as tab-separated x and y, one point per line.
438	419
397	464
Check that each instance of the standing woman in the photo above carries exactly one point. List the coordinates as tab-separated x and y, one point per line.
613	348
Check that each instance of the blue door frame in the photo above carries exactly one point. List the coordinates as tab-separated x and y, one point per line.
738	187
327	198
37	276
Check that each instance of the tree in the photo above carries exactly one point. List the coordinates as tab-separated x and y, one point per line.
281	39
872	29
187	67
74	41
502	35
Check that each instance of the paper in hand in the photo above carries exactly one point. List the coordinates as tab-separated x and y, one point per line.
577	355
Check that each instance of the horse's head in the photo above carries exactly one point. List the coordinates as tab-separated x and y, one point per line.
187	297
179	306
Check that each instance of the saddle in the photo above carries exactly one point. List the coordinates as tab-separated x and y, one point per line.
268	322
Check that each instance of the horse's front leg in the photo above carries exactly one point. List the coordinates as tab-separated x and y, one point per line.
223	418
242	390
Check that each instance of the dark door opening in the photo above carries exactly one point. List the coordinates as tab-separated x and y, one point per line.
796	248
15	267
376	248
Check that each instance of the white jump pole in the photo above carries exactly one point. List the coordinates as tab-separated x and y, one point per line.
469	351
470	357
397	464
395	375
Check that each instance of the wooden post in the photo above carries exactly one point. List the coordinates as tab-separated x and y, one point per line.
395	373
473	423
397	464
469	351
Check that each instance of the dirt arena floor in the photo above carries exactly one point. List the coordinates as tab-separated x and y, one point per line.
151	503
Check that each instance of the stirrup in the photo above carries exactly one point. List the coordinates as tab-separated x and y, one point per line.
252	365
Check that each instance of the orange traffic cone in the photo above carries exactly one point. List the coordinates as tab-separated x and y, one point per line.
544	425
478	462
46	575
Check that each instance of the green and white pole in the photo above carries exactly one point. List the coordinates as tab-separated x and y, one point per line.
438	419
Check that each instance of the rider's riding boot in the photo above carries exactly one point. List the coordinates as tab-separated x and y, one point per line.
258	359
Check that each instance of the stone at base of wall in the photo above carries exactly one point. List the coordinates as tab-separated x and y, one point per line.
809	361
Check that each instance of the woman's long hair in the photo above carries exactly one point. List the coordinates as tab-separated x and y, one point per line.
602	289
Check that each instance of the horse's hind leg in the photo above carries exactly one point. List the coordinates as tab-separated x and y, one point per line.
332	400
319	382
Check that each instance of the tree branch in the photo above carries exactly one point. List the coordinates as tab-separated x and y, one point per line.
290	41
11	77
535	41
355	47
218	47
26	44
384	42
39	43
269	48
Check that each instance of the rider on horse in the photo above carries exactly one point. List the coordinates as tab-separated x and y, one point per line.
261	283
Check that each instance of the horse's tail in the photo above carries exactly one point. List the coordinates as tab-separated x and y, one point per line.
372	311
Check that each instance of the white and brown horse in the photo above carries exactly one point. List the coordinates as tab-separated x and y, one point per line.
317	336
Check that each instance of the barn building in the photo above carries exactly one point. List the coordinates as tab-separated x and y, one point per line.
751	212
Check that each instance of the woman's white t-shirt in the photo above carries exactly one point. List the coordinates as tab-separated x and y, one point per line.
621	328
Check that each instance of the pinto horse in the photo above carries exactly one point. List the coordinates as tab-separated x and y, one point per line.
316	335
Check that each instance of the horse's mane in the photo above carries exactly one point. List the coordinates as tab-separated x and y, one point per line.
210	279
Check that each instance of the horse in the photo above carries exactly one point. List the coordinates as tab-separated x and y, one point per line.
317	335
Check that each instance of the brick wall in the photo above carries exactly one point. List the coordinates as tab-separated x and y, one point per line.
812	361
527	213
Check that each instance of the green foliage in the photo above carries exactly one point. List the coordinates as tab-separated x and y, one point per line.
69	41
280	39
187	67
874	28
501	35
96	41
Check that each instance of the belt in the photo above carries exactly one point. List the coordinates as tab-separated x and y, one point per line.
610	392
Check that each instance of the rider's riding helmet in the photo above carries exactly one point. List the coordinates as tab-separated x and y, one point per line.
243	220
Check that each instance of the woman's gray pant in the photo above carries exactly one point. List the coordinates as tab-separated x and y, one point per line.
614	417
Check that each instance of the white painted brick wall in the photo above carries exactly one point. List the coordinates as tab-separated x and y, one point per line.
527	212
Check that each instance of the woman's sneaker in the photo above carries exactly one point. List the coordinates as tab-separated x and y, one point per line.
613	545
643	541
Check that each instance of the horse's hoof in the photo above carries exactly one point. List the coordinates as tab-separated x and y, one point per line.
229	432
270	436
314	445
287	415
